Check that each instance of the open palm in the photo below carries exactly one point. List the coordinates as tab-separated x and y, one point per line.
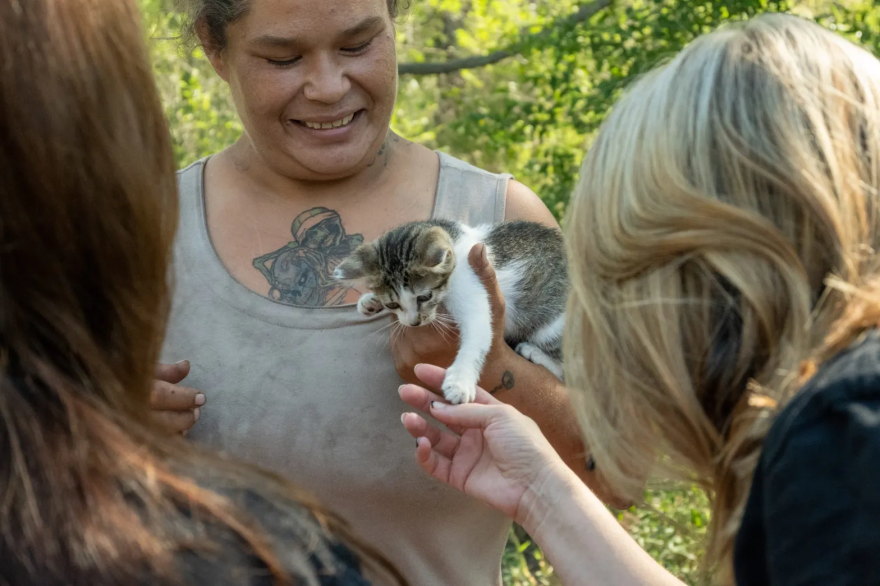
492	452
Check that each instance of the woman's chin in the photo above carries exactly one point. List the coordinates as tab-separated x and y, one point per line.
338	162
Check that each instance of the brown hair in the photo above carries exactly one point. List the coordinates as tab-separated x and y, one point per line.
89	493
217	15
723	241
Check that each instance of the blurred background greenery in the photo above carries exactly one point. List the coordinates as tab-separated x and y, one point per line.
556	68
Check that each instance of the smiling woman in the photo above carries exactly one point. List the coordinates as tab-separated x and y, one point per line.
296	379
294	82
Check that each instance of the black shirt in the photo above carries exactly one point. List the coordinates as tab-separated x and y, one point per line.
813	514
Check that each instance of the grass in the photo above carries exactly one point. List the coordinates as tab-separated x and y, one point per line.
670	527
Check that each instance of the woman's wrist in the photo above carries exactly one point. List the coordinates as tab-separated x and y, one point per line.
553	491
506	371
500	370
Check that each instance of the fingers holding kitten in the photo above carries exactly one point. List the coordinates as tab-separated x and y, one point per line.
479	261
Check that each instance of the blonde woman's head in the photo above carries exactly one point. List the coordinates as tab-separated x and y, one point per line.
725	218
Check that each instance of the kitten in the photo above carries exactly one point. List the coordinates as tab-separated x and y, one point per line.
413	269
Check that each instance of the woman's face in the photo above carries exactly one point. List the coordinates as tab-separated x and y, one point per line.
314	82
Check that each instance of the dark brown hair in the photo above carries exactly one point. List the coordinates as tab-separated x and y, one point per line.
89	492
217	15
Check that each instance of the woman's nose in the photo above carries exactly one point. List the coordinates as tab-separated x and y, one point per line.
326	81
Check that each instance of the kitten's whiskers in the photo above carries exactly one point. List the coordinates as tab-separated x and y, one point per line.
396	332
441	329
381	330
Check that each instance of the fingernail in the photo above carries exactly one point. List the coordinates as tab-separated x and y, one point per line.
417	443
483	256
437	405
180	362
196	414
402	415
200	399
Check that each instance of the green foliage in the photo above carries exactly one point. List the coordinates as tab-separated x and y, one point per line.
197	102
531	115
671	527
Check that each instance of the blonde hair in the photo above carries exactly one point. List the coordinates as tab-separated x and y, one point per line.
721	237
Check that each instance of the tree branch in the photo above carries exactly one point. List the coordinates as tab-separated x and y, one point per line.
583	13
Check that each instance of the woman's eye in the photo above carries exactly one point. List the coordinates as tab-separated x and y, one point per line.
392	306
425	297
358	49
286	63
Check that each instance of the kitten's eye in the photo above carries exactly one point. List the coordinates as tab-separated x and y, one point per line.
424	298
392	306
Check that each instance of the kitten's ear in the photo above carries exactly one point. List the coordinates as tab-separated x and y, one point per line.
359	265
435	250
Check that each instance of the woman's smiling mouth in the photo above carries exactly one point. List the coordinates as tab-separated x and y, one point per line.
328	125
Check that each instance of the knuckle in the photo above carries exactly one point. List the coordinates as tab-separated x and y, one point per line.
509	412
159	392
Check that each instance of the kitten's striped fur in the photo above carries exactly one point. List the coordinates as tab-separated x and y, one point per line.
415	268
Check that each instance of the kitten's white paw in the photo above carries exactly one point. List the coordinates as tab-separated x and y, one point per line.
369	305
537	356
459	388
527	351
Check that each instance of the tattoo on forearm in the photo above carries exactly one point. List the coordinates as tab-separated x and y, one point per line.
507	383
301	273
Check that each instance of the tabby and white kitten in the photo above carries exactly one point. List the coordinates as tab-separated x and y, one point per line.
413	269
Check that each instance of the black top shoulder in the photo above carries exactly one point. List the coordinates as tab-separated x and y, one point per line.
813	514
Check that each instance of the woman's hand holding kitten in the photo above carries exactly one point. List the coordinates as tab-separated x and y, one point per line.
417	272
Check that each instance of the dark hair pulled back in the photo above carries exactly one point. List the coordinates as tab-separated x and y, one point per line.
217	15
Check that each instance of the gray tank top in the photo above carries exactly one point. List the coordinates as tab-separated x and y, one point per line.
311	393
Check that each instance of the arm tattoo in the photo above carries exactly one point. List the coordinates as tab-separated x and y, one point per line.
301	272
507	383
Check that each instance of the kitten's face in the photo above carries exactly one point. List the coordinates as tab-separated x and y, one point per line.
407	269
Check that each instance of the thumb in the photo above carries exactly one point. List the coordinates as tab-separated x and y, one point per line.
466	416
479	261
173	373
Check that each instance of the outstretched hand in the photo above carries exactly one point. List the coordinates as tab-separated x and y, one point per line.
491	452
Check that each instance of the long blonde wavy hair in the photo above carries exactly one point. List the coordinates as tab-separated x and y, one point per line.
722	244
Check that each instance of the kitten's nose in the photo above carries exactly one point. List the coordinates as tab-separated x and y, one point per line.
416	321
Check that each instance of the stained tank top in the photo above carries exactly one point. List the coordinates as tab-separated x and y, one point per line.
311	393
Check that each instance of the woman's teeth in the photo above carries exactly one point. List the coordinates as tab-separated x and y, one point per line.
325	125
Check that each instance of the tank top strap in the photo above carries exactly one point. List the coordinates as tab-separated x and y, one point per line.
468	194
189	187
